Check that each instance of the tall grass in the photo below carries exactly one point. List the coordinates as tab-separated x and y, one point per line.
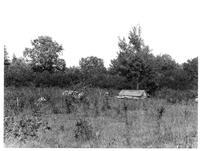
120	123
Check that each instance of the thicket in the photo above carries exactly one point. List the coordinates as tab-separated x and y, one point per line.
134	68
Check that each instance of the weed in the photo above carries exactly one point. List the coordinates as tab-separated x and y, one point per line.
106	105
62	128
158	127
127	125
160	112
24	128
83	130
69	104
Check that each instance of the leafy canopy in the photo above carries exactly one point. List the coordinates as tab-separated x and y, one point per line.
44	55
92	65
133	59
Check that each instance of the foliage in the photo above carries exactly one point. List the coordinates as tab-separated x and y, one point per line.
45	55
165	68
23	128
142	117
70	104
6	58
134	68
191	70
91	67
18	73
83	130
73	76
176	96
133	61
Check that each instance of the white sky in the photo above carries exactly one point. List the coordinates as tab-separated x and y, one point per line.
92	27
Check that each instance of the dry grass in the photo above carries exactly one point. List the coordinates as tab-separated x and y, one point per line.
177	127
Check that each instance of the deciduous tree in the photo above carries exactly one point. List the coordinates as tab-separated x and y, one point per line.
191	69
44	55
92	65
133	60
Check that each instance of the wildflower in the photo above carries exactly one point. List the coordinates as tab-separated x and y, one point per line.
106	93
80	95
40	101
67	92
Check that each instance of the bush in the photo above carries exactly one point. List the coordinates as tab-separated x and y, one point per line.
23	128
83	130
14	101
70	104
18	74
176	96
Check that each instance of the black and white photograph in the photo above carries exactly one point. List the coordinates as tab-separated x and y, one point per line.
99	73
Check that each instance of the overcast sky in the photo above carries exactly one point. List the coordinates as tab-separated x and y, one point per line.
92	27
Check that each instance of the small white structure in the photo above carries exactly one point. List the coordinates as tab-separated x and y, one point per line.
132	94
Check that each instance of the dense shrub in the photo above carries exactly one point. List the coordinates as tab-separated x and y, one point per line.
18	74
176	96
24	127
110	81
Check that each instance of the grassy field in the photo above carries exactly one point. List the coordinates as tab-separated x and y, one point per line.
102	122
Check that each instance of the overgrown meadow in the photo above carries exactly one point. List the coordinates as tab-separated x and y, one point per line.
99	120
48	104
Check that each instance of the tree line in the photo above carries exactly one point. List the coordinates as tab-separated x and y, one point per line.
135	67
